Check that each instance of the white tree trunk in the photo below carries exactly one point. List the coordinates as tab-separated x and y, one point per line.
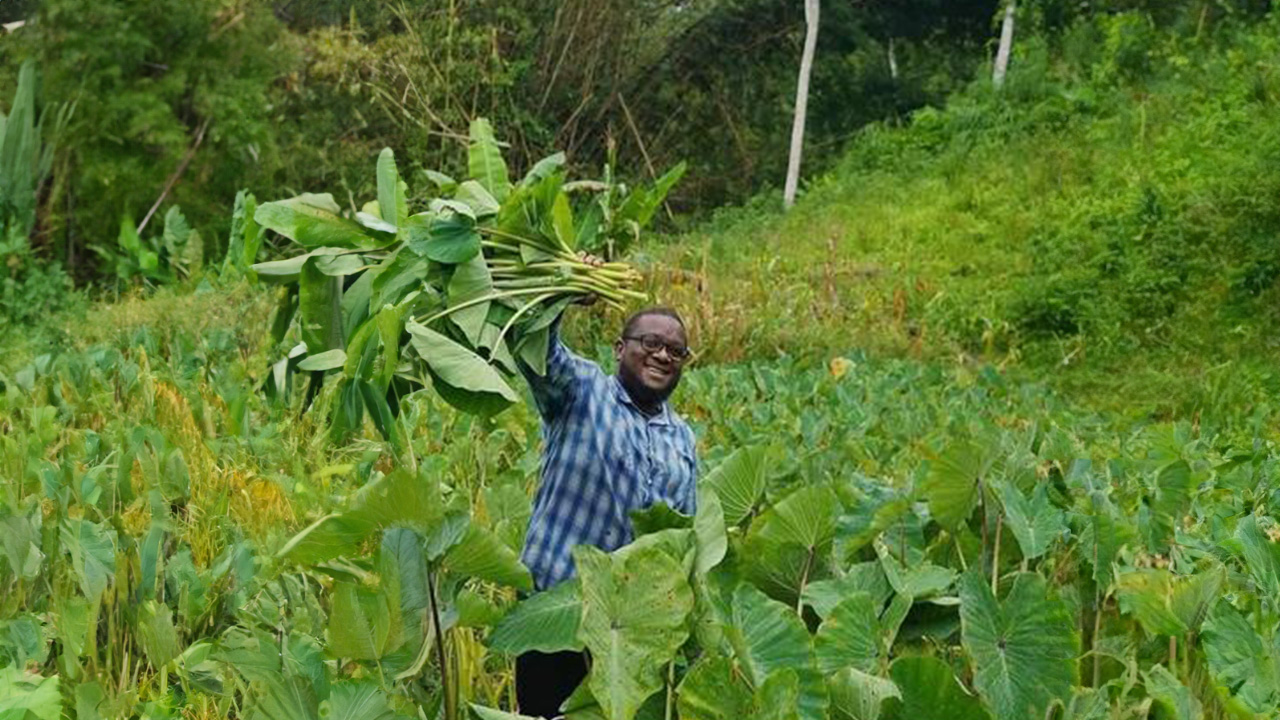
1006	45
893	61
802	102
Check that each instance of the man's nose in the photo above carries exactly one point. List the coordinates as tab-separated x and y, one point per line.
663	352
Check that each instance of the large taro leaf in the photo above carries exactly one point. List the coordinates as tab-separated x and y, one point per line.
1242	662
1035	522
1172	696
357	700
927	686
709	531
465	380
1023	649
363	624
714	690
767	636
913	576
471	281
1168	504
739	481
635	612
1148	596
849	637
24	696
856	695
1103	537
824	595
778	697
447	237
1261	556
484	160
786	541
481	554
546	621
93	555
314	220
951	487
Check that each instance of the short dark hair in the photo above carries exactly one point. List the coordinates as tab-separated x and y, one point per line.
630	324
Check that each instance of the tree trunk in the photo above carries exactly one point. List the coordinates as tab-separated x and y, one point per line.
893	61
802	101
1006	45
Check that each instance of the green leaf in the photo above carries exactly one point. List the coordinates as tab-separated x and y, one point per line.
709	529
449	238
546	621
1173	696
1036	523
480	387
1147	595
656	518
93	555
471	280
711	690
543	168
391	191
562	221
1245	664
849	637
926	684
24	695
784	541
356	700
327	360
856	695
916	578
482	555
634	618
1102	540
475	196
1171	501
362	624
739	481
778	697
319	309
314	220
824	595
1023	650
484	160
158	635
767	636
641	205
1261	556
951	487
485	713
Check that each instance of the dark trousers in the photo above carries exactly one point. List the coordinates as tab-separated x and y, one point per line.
545	680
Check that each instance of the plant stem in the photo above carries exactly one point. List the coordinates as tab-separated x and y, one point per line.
804	578
995	558
671	681
450	709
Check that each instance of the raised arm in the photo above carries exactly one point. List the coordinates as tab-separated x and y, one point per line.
554	391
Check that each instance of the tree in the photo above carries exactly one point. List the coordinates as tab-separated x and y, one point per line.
1006	45
802	101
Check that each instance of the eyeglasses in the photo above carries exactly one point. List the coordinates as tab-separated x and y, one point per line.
653	343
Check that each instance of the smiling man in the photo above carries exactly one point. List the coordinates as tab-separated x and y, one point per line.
613	445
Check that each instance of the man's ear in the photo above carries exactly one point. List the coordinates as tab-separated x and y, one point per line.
617	351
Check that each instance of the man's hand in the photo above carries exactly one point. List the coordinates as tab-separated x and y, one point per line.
594	262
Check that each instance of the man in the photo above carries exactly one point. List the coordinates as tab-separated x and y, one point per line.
613	445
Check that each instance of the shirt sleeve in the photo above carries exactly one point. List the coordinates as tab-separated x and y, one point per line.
689	497
554	392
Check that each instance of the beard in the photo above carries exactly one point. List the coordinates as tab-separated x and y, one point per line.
646	393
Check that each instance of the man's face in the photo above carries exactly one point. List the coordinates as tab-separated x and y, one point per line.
650	375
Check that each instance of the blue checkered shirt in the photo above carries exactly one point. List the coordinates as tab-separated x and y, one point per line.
603	459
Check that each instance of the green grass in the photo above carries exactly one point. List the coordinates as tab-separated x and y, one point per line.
1113	237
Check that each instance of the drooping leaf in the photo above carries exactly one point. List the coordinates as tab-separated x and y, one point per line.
739	481
362	623
634	618
475	196
319	309
1171	500
486	713
480	387
1023	649
1261	556
1242	662
1172	695
546	621
391	194
482	555
1036	523
926	684
471	281
93	554
709	529
849	637
315	220
326	360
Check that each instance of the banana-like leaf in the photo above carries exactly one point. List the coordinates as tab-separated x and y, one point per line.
926	684
327	360
635	612
1023	649
315	220
484	160
546	621
319	309
391	190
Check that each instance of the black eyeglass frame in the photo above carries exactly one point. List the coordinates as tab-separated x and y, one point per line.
652	343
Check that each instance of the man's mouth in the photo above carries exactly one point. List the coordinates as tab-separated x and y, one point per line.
658	374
